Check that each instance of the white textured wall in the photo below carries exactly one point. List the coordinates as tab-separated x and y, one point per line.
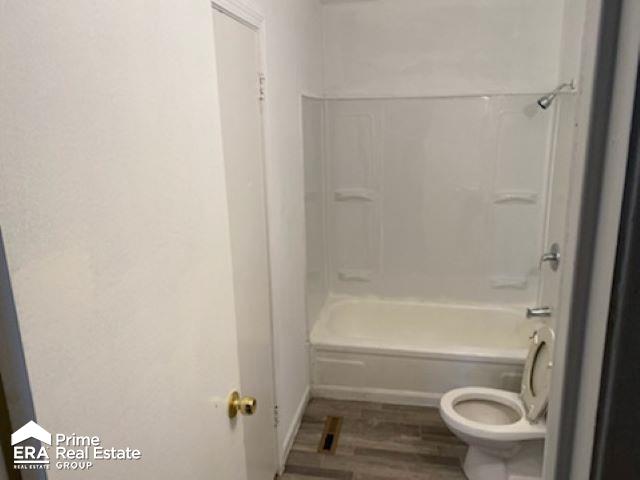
294	66
113	209
441	47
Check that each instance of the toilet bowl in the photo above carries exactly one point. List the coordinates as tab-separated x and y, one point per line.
505	430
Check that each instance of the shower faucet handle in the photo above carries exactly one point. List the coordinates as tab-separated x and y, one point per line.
552	256
538	312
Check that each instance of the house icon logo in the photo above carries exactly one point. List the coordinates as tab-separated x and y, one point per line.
26	450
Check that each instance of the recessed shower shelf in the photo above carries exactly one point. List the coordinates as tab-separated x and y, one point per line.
354	194
515	197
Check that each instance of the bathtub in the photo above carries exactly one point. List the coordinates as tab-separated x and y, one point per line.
413	352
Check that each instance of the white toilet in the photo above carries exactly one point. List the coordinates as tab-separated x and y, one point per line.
505	430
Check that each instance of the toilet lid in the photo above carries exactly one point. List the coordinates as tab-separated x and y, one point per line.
536	380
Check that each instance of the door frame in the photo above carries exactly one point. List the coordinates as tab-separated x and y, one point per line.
612	113
616	447
610	44
562	370
250	15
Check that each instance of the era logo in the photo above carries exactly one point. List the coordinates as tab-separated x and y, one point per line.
30	454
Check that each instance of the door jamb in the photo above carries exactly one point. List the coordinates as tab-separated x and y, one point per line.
604	143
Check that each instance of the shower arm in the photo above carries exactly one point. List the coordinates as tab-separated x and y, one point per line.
546	100
562	86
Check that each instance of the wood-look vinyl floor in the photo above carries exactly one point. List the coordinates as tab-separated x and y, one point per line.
377	442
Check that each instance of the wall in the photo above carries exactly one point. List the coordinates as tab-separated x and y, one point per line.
315	207
113	211
441	47
293	67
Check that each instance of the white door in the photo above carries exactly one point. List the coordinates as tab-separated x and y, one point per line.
237	53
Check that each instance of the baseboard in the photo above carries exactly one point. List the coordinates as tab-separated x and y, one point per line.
382	395
293	430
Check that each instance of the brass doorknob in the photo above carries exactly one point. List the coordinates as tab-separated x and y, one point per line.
244	405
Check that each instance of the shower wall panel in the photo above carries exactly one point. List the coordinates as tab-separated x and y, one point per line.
438	199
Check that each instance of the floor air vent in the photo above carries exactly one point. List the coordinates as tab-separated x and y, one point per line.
330	435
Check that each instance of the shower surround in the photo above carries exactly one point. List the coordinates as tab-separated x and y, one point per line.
429	167
425	219
439	199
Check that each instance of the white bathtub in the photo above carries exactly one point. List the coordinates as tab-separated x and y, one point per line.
411	352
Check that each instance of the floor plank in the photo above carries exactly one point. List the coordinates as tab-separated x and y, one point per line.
377	442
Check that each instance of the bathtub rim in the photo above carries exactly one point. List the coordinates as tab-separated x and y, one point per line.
334	300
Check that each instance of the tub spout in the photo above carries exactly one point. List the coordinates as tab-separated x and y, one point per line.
538	312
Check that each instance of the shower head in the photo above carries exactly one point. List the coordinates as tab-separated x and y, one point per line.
546	100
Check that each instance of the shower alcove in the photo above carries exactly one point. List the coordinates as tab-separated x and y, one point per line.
434	182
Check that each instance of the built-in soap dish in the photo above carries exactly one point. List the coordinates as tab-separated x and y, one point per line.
517	197
354	194
355	275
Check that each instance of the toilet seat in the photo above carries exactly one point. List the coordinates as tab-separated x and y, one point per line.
536	378
522	429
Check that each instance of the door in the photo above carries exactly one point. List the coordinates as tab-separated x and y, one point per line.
237	55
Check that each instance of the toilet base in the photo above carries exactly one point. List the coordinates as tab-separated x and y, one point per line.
524	465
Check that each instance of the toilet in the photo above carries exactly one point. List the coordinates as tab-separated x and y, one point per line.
505	431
